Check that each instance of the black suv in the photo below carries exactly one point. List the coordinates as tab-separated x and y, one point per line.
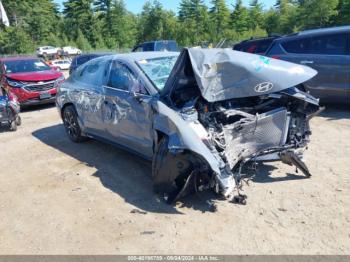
326	50
160	45
255	45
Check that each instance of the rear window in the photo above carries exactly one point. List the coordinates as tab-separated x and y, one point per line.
148	47
166	46
91	73
254	47
83	59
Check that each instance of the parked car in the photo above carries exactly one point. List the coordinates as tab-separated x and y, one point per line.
69	50
30	79
198	123
9	109
62	64
48	51
161	45
82	59
325	50
255	45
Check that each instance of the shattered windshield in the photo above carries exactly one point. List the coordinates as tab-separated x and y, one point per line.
158	69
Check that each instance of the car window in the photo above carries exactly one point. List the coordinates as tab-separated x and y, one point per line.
263	45
166	46
148	47
92	73
83	59
121	77
158	69
328	44
298	46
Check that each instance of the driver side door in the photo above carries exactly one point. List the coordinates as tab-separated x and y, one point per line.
127	111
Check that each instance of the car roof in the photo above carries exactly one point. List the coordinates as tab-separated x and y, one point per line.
138	56
158	41
18	58
257	39
314	32
336	29
92	54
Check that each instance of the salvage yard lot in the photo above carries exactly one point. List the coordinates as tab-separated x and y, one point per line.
57	197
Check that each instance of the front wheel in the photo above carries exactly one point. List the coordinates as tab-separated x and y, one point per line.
170	172
71	125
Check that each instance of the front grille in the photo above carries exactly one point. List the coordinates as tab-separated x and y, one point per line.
36	87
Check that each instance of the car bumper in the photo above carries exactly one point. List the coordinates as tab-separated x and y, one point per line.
33	102
26	98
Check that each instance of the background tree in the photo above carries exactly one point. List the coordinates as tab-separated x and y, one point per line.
240	18
220	17
107	24
79	16
342	17
256	17
316	13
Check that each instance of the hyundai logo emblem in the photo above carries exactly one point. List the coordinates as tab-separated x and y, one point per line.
263	87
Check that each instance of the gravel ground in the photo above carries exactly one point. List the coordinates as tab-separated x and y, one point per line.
57	197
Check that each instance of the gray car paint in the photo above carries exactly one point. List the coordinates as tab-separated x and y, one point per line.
131	121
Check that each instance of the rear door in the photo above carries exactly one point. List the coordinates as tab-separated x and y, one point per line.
329	55
89	97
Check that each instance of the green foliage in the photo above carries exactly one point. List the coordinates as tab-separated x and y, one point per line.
317	13
240	18
256	15
107	24
343	15
15	40
220	17
82	42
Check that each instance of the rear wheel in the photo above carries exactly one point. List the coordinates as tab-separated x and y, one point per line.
13	126
71	125
18	120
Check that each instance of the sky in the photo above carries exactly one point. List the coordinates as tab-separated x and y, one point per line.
135	6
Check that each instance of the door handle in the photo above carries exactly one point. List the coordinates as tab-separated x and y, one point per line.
305	62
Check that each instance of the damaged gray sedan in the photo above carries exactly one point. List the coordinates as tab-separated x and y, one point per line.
200	116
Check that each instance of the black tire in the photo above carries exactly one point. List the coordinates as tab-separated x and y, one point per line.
18	120
13	126
71	125
157	157
167	178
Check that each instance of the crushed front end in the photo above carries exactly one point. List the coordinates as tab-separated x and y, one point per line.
245	109
256	129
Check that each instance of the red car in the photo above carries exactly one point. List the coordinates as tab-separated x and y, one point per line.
30	79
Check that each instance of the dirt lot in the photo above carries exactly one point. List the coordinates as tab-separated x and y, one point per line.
57	197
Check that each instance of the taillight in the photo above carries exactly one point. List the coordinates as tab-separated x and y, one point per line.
276	57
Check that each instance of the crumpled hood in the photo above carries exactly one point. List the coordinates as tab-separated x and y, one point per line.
223	74
35	76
